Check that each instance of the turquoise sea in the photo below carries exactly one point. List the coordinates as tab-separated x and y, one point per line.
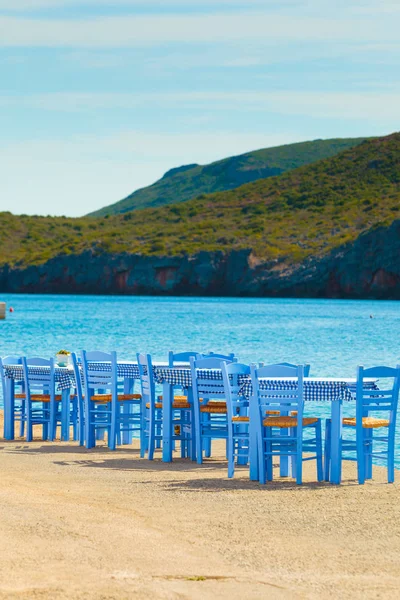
334	336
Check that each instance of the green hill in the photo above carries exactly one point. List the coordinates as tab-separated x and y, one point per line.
184	183
305	212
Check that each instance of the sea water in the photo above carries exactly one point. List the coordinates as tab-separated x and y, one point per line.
333	336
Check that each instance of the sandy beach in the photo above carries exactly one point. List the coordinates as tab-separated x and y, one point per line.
105	525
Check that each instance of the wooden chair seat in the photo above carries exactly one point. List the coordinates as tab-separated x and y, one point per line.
44	398
176	404
214	407
240	419
287	422
367	422
121	397
276	413
176	398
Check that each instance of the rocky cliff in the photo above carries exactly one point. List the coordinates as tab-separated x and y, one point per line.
368	268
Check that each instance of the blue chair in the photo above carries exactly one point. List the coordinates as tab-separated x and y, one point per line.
228	357
370	405
270	399
42	403
306	368
19	391
103	400
173	359
180	357
237	414
181	411
209	405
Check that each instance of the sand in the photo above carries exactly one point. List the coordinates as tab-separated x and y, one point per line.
100	524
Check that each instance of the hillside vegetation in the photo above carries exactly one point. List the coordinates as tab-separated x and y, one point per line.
184	183
304	212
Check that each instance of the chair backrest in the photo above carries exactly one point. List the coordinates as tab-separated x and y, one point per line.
306	368
180	357
206	385
39	381
283	396
147	383
385	399
7	360
232	376
78	375
94	379
229	357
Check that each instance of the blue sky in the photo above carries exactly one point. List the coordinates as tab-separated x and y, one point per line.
101	97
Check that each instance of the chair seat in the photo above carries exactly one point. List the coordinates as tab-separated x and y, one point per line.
43	398
121	397
240	419
19	396
214	407
367	422
277	413
176	404
286	422
177	398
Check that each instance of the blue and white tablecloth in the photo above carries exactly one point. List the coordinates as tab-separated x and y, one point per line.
63	376
316	390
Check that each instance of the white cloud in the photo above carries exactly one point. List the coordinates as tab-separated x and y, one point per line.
143	30
81	174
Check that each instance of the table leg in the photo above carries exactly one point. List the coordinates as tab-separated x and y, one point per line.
253	451
65	415
336	441
167	422
9	409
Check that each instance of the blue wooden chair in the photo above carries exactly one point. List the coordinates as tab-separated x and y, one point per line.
78	376
209	405
270	399
228	357
237	414
180	357
371	406
103	400
42	403
19	391
306	368
175	358
153	412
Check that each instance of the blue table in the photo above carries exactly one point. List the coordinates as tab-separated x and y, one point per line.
64	379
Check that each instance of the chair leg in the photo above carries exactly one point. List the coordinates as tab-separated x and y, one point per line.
22	422
29	426
207	441
262	466
318	436
199	444
151	438
368	454
390	458
299	461
360	459
327	457
231	456
142	429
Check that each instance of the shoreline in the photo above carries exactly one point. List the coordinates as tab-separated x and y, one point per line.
102	524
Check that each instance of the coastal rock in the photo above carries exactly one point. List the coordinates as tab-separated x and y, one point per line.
368	268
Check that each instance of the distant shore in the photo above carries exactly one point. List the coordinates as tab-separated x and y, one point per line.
99	524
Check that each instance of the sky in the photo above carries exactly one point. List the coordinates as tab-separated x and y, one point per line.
101	97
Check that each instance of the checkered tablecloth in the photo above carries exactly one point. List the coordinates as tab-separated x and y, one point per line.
64	378
315	391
